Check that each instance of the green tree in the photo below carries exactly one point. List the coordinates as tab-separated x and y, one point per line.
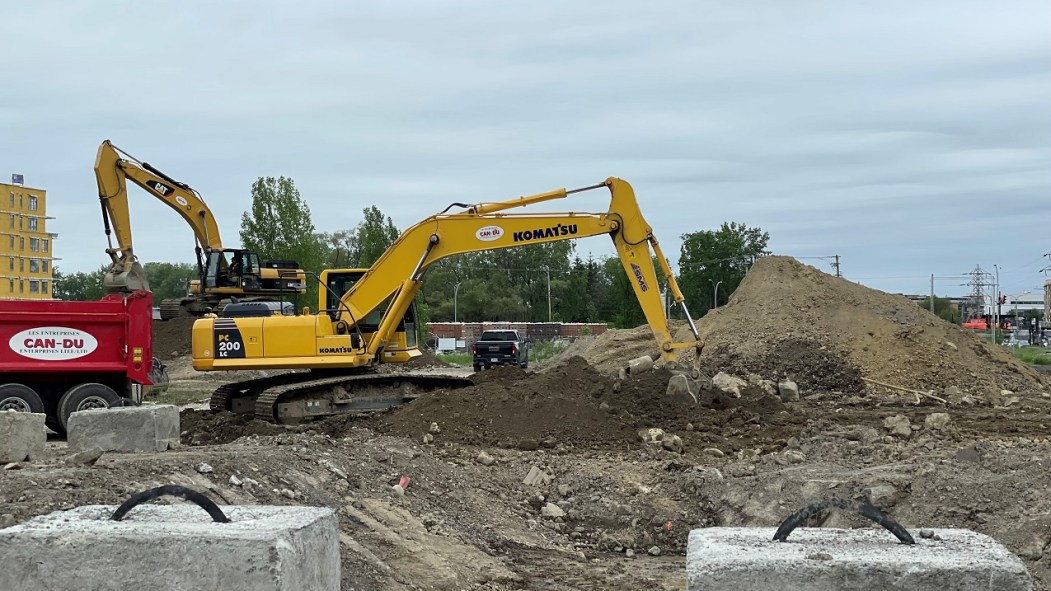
943	308
279	227
717	258
279	224
78	286
372	236
169	280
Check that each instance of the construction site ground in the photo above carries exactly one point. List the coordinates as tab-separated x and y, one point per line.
602	509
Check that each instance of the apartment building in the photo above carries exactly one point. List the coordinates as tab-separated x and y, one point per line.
26	247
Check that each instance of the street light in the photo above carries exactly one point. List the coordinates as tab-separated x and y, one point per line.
455	290
715	292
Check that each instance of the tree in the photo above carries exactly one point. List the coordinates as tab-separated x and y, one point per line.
943	309
279	225
709	259
372	236
169	280
78	286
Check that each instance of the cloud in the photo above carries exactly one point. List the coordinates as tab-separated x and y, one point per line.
904	135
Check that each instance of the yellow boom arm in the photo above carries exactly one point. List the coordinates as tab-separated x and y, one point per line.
113	167
399	271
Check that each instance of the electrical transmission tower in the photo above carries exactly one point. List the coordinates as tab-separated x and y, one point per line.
979	280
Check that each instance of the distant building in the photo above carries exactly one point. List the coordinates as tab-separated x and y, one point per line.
26	247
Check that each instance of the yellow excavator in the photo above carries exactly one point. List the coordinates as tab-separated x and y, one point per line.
223	273
365	317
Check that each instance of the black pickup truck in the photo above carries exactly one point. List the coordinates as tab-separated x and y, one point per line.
500	347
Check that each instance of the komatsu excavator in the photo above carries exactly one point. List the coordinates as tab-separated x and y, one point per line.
365	316
222	272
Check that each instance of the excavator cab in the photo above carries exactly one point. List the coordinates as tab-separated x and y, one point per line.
339	281
232	268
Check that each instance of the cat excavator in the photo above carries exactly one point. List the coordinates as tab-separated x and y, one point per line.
223	273
365	316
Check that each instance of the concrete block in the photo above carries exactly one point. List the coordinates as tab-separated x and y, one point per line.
174	547
22	436
128	428
820	559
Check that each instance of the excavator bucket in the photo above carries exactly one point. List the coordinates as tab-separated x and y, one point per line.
125	277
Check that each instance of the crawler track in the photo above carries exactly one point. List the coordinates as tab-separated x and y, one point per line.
294	398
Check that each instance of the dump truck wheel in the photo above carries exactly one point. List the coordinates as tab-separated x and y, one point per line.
85	397
20	398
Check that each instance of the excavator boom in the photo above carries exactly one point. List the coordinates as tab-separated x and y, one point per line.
486	227
113	168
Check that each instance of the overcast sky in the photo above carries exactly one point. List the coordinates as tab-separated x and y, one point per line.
908	137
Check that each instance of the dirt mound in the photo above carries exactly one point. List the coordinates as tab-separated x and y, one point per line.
611	350
172	337
571	403
791	320
204	427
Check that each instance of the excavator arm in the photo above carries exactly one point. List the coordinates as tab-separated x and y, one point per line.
113	168
399	271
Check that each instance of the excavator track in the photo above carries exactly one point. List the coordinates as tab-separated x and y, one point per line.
295	398
171	308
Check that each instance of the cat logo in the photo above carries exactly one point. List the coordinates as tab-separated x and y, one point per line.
160	187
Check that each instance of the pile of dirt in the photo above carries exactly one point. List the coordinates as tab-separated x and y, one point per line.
171	338
611	350
572	403
791	320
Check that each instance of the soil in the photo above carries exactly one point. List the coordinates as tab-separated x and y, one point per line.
980	460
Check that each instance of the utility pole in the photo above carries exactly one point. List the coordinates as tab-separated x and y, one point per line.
836	265
932	293
548	293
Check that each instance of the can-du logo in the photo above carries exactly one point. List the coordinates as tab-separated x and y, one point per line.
489	233
52	343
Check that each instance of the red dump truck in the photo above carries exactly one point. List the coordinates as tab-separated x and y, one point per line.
61	357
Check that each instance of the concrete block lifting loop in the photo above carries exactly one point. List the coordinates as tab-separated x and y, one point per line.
864	509
175	491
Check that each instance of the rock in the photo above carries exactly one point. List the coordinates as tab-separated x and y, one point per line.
679	387
654	551
714	452
536	477
1045	395
729	384
788	390
7	520
951	345
398	490
672	443
428	438
952	393
434	429
485	459
12	465
651	435
204	468
794	456
552	511
565	490
1006	393
881	495
898	426
1033	547
971	453
689	426
629	553
937	421
88	457
235	481
709	474
288	493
